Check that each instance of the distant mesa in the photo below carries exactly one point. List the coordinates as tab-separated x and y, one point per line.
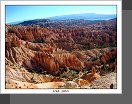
84	16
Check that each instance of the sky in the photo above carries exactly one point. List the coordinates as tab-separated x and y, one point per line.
19	13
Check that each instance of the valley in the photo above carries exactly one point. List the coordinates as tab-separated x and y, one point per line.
69	54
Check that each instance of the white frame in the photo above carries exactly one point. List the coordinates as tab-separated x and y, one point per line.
60	91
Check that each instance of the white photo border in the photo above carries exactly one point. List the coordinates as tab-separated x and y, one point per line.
63	91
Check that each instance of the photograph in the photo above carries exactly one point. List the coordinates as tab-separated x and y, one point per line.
61	46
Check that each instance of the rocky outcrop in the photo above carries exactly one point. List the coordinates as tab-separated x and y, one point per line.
105	82
67	38
53	83
40	57
53	62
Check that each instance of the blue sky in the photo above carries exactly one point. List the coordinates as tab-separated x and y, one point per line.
20	13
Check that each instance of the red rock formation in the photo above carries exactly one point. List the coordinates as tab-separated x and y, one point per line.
69	60
50	50
52	63
92	76
46	62
47	50
67	38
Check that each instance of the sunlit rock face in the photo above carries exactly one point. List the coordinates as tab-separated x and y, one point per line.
71	57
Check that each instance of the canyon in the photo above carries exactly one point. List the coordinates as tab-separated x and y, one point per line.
61	54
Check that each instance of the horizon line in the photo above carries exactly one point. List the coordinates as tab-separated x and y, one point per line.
58	16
